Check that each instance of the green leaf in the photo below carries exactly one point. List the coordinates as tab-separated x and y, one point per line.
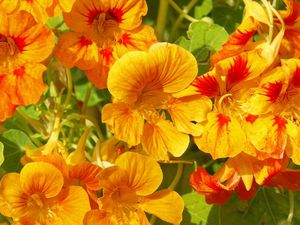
19	138
203	40
203	34
1	153
196	210
203	9
57	23
14	142
228	17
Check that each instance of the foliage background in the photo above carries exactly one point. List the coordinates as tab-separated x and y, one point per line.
213	21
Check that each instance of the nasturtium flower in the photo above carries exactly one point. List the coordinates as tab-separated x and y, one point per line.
37	196
144	86
242	174
22	41
129	190
228	84
102	31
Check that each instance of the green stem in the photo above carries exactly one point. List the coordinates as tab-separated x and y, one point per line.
87	98
181	12
70	87
177	177
80	117
179	20
177	162
292	207
161	19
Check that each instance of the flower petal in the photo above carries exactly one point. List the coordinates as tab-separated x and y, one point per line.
71	205
74	49
166	205
41	178
124	122
144	172
222	136
161	136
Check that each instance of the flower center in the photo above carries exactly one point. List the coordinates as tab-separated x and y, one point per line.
107	28
124	195
36	201
8	47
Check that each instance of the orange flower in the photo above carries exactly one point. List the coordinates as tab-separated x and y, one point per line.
37	196
22	47
145	83
103	31
242	173
23	42
129	190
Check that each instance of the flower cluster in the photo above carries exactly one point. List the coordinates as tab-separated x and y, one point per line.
244	111
58	186
254	84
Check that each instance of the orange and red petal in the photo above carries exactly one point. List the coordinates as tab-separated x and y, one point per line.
88	174
238	40
222	136
75	49
205	184
24	85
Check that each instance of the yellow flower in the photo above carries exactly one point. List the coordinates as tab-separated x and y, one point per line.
37	196
228	83
144	85
129	190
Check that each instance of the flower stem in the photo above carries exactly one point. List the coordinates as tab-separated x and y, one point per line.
292	207
177	177
181	12
70	87
180	18
161	19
